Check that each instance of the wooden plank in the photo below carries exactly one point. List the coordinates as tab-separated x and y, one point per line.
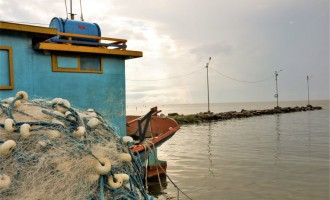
85	49
28	28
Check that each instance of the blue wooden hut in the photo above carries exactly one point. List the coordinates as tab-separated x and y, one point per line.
70	60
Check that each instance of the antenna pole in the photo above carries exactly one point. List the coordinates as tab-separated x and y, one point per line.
208	90
71	14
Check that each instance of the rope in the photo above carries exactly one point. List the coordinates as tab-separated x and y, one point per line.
173	77
242	81
166	173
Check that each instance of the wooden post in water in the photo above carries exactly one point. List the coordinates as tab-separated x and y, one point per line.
208	90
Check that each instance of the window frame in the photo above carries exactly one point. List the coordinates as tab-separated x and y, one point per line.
11	69
57	68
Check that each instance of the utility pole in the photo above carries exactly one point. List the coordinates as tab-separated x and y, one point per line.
308	77
276	95
208	90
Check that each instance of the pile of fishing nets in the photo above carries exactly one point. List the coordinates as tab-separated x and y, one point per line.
48	150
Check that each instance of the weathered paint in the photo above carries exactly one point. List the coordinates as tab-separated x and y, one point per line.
33	74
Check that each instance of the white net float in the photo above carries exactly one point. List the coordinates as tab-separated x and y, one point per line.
102	166
79	132
5	181
125	157
25	130
116	181
94	122
7	147
9	125
127	139
22	95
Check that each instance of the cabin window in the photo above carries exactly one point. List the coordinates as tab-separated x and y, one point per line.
6	68
77	63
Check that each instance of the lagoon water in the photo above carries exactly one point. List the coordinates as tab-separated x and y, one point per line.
283	156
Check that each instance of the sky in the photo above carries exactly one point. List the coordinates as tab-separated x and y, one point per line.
247	40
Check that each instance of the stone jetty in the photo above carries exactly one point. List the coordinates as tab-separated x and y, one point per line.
210	116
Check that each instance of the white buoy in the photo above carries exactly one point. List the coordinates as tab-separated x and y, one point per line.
90	110
125	157
127	139
25	130
9	125
60	108
23	95
69	115
58	113
56	121
17	103
79	132
94	122
115	183
7	147
5	181
103	166
125	177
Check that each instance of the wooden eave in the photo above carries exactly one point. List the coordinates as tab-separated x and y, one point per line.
85	49
27	28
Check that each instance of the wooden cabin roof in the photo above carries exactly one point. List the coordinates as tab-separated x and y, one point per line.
46	44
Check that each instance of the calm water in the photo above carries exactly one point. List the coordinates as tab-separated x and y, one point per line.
282	156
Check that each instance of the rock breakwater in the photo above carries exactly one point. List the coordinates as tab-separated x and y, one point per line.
210	116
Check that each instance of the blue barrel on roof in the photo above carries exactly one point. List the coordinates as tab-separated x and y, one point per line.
75	27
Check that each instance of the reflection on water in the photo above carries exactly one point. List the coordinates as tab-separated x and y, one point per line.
268	157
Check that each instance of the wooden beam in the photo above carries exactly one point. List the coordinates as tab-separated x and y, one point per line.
27	28
84	49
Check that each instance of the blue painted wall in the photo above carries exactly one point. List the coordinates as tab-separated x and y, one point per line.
33	74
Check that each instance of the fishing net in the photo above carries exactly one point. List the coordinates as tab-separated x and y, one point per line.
48	150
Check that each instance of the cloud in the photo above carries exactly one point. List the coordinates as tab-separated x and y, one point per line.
247	40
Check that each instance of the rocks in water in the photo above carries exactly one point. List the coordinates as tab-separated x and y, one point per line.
210	116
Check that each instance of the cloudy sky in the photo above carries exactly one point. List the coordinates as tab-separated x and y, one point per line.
247	40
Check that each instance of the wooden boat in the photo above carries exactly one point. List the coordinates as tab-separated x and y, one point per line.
149	132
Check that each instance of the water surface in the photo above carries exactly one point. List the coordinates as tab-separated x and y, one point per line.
283	156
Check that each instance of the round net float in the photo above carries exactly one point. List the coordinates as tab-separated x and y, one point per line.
56	100
22	95
54	134
56	121
127	139
79	132
103	166
116	181
66	103
58	113
7	147
5	181
9	125
25	130
60	108
17	102
125	157
92	123
124	176
69	115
